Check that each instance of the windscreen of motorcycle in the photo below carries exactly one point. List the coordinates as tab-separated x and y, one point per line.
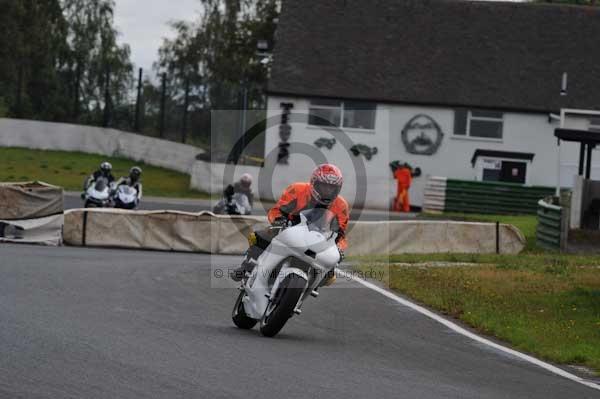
99	190
321	220
127	194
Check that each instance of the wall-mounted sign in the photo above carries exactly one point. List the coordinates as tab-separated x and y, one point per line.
325	142
285	132
492	164
422	135
365	150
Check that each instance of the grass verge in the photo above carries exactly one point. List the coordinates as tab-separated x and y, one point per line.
542	304
70	169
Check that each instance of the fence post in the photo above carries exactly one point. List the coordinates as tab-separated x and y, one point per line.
498	237
186	104
77	84
106	120
19	105
138	103
161	129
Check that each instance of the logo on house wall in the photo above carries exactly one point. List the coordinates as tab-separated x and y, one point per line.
285	132
422	135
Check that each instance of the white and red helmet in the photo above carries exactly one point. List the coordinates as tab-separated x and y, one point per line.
326	183
246	180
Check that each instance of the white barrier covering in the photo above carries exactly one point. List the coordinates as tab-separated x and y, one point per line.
205	232
31	213
95	140
29	200
159	230
42	231
424	237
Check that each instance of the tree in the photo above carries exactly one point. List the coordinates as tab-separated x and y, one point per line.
54	55
218	51
32	54
94	56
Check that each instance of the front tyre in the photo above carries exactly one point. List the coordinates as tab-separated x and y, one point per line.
239	317
282	308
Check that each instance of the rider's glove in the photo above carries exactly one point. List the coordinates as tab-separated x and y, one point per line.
342	255
280	222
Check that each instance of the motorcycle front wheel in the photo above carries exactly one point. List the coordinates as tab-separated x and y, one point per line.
282	308
239	316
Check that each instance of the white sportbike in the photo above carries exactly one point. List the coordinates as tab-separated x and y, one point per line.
290	269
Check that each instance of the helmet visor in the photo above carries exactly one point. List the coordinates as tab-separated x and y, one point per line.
327	192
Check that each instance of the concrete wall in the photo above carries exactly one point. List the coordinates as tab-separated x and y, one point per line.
522	132
95	140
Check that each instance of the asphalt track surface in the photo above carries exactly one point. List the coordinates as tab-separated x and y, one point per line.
97	323
72	201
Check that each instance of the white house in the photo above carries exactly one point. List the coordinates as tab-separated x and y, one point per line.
460	89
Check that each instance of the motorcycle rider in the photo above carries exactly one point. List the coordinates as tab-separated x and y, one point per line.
242	206
321	192
244	186
133	180
104	171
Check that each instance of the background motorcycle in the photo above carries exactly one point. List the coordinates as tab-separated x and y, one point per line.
97	195
125	197
233	203
292	267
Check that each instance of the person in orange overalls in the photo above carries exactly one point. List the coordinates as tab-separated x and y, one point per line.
403	176
321	192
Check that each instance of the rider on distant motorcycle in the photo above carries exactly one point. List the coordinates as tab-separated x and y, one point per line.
104	171
244	186
321	192
133	180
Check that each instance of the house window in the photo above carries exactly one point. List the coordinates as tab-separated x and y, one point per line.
595	124
325	113
478	123
346	114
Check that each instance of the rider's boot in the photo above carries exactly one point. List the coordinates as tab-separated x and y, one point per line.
247	265
329	279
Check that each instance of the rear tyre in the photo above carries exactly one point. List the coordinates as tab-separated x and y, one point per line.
279	312
239	316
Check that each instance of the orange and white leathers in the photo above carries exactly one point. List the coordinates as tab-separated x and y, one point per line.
297	197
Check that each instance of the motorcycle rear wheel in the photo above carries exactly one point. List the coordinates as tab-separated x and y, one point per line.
274	319
239	316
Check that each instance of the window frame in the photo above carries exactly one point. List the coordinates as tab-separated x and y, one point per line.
471	118
594	124
342	109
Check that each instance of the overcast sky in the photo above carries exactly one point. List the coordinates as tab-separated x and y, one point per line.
143	24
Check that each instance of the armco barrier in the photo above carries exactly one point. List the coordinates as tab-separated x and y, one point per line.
482	197
95	140
549	228
205	232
